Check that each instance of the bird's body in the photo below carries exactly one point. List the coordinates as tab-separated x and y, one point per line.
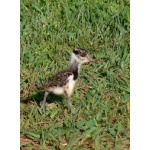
63	83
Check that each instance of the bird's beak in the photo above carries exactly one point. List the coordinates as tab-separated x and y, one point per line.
92	59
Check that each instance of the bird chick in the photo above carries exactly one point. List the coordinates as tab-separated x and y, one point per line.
63	83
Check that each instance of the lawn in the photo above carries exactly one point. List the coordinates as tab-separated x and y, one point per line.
49	30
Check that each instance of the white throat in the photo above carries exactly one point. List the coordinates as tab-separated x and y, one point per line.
75	63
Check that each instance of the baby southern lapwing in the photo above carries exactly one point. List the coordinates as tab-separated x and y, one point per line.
63	83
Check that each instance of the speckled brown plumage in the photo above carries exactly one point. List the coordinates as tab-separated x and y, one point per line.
59	79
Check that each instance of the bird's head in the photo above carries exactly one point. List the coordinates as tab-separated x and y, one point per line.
81	56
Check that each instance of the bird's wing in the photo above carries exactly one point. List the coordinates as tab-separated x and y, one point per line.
59	79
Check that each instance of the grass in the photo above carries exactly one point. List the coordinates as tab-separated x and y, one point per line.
49	32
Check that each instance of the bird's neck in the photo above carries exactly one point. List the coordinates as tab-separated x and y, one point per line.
75	67
74	62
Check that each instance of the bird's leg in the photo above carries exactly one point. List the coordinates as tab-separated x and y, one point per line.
42	104
70	104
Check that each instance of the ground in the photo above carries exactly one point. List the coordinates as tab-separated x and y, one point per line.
49	30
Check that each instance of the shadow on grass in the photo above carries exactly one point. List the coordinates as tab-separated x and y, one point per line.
38	97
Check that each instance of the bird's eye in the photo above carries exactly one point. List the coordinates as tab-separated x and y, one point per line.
83	54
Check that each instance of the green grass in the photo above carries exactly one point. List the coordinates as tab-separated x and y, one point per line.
49	32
